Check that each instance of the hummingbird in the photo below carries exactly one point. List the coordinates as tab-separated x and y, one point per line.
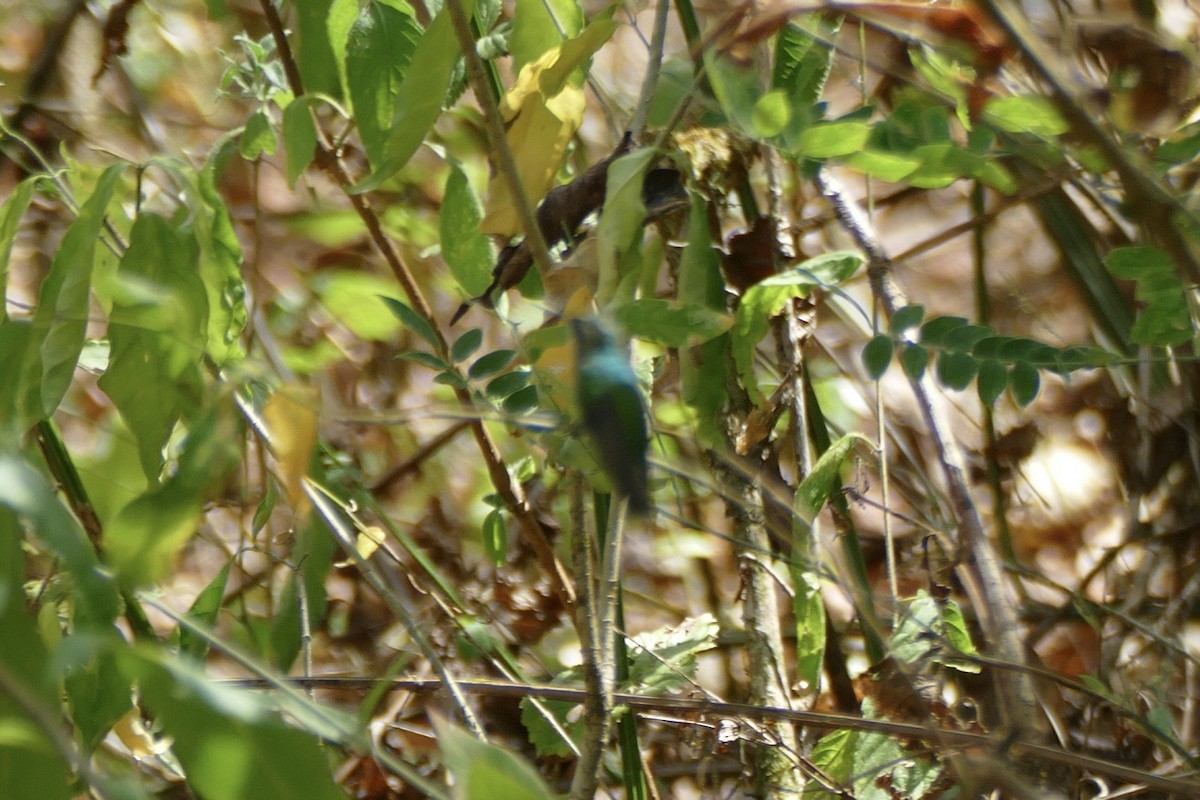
612	411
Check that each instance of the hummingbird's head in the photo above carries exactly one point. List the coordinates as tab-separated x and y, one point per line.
590	336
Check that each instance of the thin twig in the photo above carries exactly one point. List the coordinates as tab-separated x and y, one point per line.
587	622
698	710
658	39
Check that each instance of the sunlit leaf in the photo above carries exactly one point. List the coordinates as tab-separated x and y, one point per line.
292	424
771	114
379	47
411	319
485	771
465	249
543	110
418	99
1033	114
299	138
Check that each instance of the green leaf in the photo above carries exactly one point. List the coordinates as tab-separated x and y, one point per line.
803	59
485	771
379	48
144	537
939	330
956	370
450	378
411	319
825	476
220	256
990	346
495	537
97	693
27	495
1035	353
466	251
702	369
963	338
665	659
877	355
318	69
158	331
299	138
465	346
522	401
771	114
10	219
941	164
507	384
905	318
809	610
891	167
1164	319
203	612
832	139
60	322
619	232
30	766
231	743
672	323
1033	114
914	358
1024	382
19	391
539	25
768	297
927	626
257	137
355	299
991	381
418	100
490	363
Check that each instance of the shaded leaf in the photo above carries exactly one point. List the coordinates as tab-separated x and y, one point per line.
825	476
411	319
671	323
991	381
465	346
490	363
877	355
956	370
914	358
1024	382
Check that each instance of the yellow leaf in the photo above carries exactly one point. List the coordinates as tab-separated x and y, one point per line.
292	424
369	540
133	734
538	136
543	110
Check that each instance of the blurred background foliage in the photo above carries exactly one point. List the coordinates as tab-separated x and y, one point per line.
243	442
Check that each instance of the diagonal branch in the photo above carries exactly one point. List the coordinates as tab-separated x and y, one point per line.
983	577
